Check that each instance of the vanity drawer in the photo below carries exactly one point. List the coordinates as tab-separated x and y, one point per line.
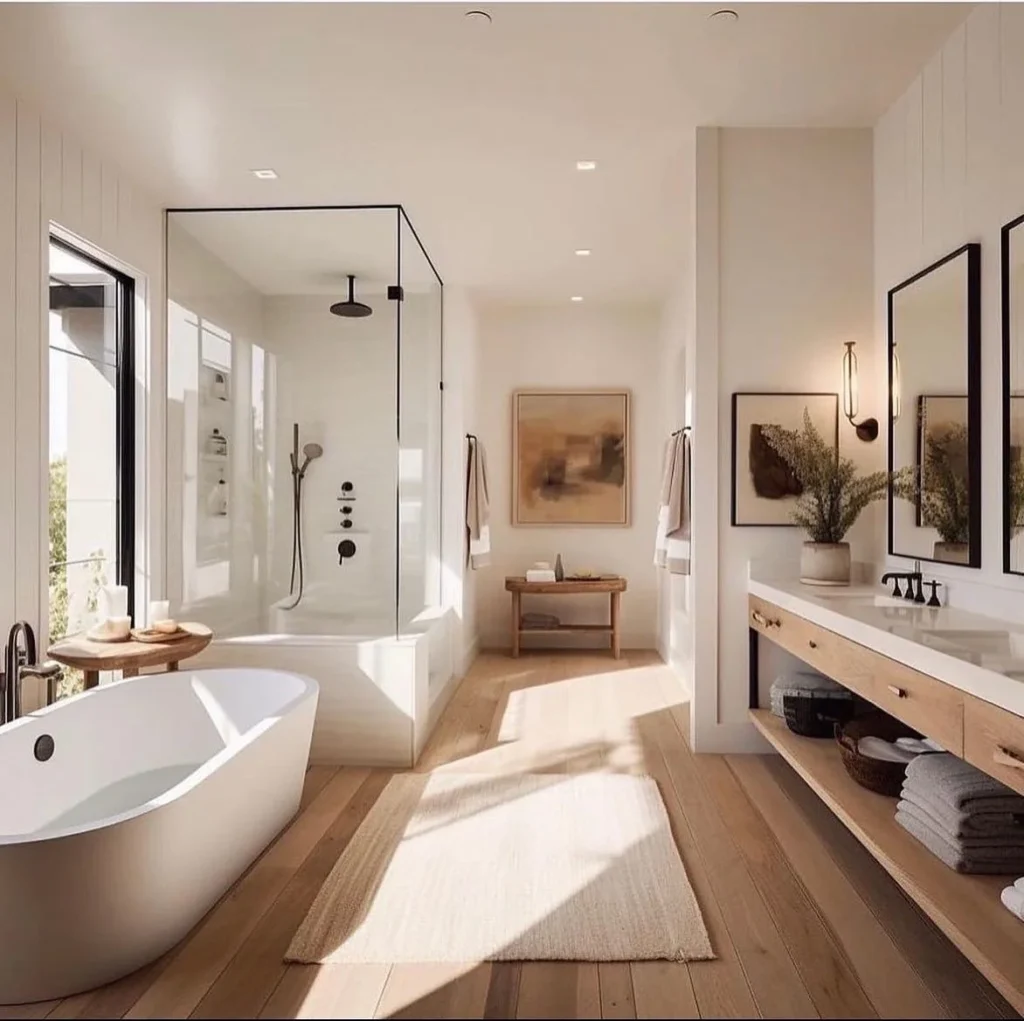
922	702
817	646
994	741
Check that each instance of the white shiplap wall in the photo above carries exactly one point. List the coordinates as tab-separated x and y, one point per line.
949	168
46	175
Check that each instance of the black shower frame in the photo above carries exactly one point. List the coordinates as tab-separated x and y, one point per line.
400	215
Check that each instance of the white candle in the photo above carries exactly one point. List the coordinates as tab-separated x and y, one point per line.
159	609
115	602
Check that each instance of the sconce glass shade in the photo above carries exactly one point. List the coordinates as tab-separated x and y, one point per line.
897	400
851	394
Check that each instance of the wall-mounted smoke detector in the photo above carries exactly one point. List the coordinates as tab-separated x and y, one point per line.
725	16
265	175
478	17
586	164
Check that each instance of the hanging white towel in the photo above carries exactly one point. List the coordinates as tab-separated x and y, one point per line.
478	507
672	545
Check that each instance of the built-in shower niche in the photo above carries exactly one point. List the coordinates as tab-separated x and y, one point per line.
213	434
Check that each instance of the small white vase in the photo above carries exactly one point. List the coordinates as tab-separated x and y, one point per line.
825	563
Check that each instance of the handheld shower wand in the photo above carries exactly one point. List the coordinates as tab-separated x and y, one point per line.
310	452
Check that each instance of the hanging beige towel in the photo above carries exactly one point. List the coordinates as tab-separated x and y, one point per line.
661	538
478	508
674	516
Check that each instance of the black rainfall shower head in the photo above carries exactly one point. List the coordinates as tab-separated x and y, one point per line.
351	309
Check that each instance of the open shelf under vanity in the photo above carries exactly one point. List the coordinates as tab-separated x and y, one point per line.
942	700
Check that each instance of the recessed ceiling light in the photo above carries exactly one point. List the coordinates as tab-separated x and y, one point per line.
478	17
586	164
583	251
266	174
726	14
576	297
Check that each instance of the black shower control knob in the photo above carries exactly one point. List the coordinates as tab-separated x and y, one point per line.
347	487
346	523
346	509
346	549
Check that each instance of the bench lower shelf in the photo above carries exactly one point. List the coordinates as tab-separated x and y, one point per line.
602	628
966	908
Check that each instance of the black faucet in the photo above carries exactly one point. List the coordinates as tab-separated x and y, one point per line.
934	600
895	577
19	663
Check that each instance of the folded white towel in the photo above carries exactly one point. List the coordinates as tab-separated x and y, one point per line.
877	748
545	577
1020	884
1013	901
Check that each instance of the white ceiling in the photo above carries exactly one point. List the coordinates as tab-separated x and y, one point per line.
310	251
474	130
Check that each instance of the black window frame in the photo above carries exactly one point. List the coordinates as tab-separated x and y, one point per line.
124	374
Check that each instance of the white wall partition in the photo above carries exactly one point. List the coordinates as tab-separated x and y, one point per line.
949	168
46	176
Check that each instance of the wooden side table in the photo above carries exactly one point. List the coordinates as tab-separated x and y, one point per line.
613	587
129	657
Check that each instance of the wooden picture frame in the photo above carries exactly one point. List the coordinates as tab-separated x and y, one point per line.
571	458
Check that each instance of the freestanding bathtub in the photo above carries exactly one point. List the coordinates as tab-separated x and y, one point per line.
157	793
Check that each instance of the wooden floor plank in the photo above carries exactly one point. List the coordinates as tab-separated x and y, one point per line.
317	778
503	991
559	989
327	991
616	985
824	969
663	989
770	972
246	984
435	991
893	986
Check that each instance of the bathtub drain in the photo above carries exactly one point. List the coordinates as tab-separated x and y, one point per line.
43	747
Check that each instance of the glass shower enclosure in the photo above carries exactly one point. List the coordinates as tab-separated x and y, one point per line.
304	421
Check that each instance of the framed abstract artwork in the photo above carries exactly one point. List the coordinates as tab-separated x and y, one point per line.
570	457
764	486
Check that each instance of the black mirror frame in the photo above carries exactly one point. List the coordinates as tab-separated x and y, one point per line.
973	252
1004	285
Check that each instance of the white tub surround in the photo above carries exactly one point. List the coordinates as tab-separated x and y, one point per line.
376	687
982	656
953	676
159	792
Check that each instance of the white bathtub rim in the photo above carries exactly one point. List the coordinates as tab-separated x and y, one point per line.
186	784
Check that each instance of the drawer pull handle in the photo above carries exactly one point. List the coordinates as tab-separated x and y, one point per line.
813	644
1007	757
760	618
900	692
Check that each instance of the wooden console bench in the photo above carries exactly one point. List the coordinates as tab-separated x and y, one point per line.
965	907
613	587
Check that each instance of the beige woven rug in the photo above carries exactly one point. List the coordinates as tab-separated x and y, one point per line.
464	867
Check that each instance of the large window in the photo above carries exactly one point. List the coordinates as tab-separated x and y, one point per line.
91	506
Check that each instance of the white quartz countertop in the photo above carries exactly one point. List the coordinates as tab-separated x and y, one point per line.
983	656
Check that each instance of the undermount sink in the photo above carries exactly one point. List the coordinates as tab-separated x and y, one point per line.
866	599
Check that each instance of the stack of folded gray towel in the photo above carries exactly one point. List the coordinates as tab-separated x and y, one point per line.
968	820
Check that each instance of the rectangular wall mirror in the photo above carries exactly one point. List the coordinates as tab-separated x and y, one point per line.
935	411
1013	396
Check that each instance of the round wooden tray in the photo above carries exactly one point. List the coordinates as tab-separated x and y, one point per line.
152	637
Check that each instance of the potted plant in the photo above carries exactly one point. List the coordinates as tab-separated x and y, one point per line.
1015	492
834	494
941	491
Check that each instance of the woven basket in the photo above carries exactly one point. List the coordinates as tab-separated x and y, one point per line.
816	713
875	774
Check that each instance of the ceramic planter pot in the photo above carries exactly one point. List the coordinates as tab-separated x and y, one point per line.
825	563
952	552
